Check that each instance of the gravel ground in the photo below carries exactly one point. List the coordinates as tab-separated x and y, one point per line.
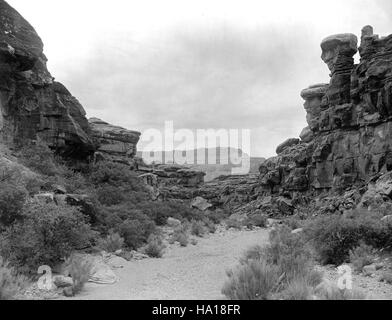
192	273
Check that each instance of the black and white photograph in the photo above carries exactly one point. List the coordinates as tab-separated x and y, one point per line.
185	150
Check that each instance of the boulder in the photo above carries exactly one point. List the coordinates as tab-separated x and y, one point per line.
62	281
201	204
369	270
173	223
114	141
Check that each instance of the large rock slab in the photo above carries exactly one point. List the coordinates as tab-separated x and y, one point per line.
114	140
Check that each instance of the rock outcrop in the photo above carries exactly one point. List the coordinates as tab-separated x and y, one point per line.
113	142
32	104
348	141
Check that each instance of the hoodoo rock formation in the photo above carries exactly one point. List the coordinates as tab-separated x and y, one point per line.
32	105
349	138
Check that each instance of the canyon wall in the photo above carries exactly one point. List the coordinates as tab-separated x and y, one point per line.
349	138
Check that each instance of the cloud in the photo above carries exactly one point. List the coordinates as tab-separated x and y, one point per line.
203	65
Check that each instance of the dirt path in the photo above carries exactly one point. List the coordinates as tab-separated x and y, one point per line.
195	272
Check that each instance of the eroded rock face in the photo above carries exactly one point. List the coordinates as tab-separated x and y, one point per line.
349	138
114	141
32	105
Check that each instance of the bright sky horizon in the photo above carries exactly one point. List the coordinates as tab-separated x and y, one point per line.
202	64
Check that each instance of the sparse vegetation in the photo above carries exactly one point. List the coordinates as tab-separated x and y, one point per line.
254	280
112	242
287	261
80	271
362	256
334	236
155	246
197	228
11	283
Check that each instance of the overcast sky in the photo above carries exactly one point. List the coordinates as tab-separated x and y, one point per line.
202	64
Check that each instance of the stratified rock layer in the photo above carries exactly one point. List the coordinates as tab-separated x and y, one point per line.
349	138
32	105
114	141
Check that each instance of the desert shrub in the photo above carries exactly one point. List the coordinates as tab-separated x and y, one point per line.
197	228
255	220
314	278
180	234
233	223
362	256
112	242
183	239
80	271
109	195
155	246
256	252
294	222
290	253
10	282
334	236
12	199
217	216
297	289
291	259
254	280
39	158
332	292
115	174
46	234
161	211
136	231
209	225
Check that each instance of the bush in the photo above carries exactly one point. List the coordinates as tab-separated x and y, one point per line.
160	211
217	216
112	242
297	289
46	234
255	220
109	195
334	236
39	158
80	271
180	234
115	174
290	252
154	247
12	199
254	280
197	228
136	232
362	256
10	282
294	222
209	225
332	292
293	275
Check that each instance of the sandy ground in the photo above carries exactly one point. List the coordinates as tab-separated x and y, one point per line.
195	272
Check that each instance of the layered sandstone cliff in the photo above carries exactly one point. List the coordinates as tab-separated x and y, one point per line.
349	137
32	104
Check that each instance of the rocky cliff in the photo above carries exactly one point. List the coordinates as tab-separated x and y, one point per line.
348	142
32	104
